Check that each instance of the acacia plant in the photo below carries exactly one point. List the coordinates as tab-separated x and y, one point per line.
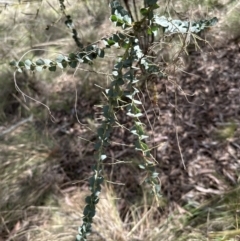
137	60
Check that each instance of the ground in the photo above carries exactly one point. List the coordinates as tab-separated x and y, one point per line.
194	126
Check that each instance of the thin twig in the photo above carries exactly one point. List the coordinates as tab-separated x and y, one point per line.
12	128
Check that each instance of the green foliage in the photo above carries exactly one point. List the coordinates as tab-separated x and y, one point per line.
123	85
70	25
176	26
119	15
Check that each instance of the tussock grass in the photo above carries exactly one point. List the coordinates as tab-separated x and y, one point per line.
231	24
61	219
27	176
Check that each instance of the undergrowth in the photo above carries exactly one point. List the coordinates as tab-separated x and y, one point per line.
139	42
137	59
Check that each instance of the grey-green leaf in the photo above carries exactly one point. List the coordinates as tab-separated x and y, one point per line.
40	62
13	63
39	68
28	62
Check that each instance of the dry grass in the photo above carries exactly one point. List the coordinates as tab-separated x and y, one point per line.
24	159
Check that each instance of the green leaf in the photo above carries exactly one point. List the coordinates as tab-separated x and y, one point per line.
212	21
88	57
127	19
134	132
88	200
60	58
21	64
139	115
73	64
103	157
115	38
142	166
40	62
13	63
162	21
157	188
115	73
72	56
105	42
27	67
142	137
135	109
101	132
28	62
127	63
105	110
154	6
144	11
60	65
90	48
129	95
111	42
32	67
134	115
121	35
52	68
179	26
101	53
91	182
98	145
149	31
80	238
47	62
137	102
39	68
139	145
89	211
100	181
64	64
120	81
113	18
154	30
154	175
